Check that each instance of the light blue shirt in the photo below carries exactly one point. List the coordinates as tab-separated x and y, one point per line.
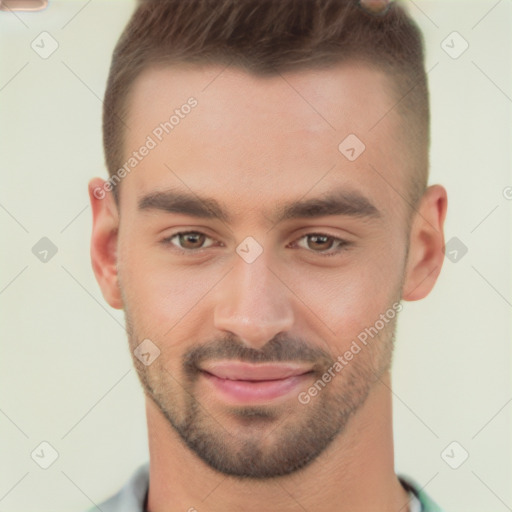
132	497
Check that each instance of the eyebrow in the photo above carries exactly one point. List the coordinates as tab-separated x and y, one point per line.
337	202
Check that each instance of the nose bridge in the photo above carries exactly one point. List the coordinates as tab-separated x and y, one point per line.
253	303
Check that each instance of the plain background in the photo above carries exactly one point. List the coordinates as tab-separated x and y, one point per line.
66	373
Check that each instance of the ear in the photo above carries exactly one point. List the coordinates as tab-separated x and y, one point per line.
104	240
426	244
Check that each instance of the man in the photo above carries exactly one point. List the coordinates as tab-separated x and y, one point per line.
267	210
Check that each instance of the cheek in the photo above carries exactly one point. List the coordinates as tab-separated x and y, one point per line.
345	301
162	298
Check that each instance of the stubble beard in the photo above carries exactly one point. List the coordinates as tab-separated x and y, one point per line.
262	442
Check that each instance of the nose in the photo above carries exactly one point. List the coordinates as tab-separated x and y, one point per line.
253	303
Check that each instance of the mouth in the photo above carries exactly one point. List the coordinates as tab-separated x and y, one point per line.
238	382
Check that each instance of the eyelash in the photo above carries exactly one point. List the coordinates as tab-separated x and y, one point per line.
342	244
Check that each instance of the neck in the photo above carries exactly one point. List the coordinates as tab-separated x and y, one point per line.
355	473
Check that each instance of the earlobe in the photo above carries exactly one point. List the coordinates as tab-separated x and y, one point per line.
104	241
426	244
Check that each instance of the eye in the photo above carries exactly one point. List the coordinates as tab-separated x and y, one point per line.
188	240
324	245
319	243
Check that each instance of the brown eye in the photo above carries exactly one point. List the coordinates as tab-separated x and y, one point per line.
191	240
323	245
320	242
188	241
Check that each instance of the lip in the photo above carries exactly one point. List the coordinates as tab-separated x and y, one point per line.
254	372
245	382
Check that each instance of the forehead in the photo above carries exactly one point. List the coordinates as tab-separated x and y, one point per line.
222	132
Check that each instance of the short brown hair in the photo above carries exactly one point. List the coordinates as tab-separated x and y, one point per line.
267	37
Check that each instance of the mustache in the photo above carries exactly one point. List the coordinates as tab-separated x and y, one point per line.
278	349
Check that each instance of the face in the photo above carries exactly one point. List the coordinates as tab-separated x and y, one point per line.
257	258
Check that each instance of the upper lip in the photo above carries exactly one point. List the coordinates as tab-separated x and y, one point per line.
246	371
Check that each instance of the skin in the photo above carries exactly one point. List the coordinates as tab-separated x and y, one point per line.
375	6
253	143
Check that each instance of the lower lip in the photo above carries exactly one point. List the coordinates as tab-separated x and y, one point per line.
245	391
